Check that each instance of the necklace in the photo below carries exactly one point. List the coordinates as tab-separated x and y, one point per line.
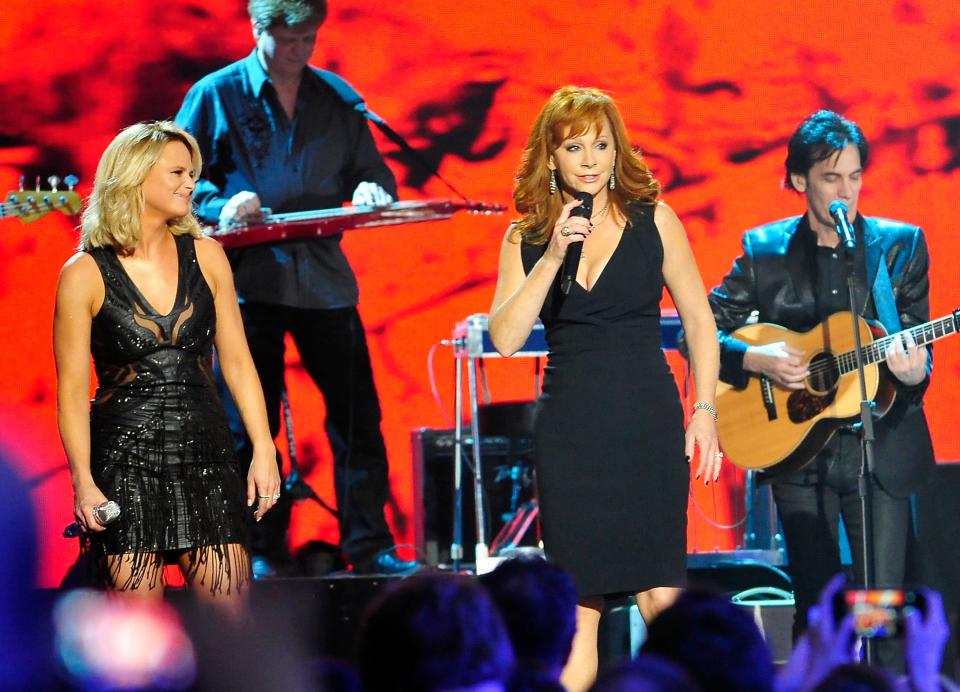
601	215
603	212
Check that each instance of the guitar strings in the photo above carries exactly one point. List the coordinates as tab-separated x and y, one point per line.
846	361
32	206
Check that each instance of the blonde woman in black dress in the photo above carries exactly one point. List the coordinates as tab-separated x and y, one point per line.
148	298
610	438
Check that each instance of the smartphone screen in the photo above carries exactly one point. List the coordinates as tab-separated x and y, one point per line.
877	612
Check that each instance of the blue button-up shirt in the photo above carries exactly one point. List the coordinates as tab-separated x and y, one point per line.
313	161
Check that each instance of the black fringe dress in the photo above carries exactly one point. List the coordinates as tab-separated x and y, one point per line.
161	445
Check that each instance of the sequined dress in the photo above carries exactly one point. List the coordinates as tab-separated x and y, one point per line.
160	442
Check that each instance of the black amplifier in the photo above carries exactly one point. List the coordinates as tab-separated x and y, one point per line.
508	482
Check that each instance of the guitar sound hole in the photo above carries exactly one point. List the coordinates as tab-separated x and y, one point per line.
823	373
803	406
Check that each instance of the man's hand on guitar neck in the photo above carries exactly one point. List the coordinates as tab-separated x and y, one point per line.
780	362
909	365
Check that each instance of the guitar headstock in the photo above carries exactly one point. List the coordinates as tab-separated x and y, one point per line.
956	320
30	205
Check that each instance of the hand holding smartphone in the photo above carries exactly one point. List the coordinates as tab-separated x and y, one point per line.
878	612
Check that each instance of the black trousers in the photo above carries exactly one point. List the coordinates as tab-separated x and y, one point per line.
333	350
811	502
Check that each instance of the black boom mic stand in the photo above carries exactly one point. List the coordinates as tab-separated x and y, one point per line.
838	210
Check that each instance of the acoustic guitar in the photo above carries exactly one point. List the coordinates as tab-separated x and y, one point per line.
764	425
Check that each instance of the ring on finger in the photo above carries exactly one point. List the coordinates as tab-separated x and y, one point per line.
719	455
565	231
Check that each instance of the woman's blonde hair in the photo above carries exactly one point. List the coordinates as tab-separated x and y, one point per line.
112	215
570	112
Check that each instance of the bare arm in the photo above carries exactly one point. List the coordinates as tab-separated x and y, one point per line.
79	296
686	287
263	478
519	297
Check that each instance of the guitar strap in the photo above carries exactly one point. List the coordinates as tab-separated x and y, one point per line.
886	306
883	298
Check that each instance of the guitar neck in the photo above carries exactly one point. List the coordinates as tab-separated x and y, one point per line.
922	334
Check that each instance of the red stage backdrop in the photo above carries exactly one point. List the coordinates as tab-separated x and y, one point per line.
710	90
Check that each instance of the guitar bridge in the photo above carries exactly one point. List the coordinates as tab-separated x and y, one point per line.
769	403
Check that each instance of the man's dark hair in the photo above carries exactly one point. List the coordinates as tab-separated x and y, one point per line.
538	603
715	641
433	632
270	13
818	138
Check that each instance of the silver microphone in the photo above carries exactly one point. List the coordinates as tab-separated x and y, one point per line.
838	210
105	513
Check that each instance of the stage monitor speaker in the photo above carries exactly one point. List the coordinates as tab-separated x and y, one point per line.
508	484
622	631
933	556
935	553
763	590
775	621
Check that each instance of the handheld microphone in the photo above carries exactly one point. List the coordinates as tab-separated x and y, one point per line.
838	210
572	259
105	513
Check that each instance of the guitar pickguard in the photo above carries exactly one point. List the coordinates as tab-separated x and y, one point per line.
802	406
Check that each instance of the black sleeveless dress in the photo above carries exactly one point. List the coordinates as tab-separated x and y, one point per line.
160	442
610	464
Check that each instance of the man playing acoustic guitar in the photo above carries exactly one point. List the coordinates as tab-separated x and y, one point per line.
793	273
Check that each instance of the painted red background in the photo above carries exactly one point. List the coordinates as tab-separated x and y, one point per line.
710	89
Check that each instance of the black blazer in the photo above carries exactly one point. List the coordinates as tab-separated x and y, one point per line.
774	279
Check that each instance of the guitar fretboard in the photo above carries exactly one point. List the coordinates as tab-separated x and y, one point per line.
922	334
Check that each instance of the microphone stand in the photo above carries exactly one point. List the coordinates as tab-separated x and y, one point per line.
294	485
867	465
405	146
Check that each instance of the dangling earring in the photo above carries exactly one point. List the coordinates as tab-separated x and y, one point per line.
553	182
613	179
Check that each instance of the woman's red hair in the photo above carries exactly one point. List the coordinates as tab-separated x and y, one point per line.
570	112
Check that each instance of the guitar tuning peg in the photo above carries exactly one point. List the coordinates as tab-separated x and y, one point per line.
71	180
21	183
53	180
38	184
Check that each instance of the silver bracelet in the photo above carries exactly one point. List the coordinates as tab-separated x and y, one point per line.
709	408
